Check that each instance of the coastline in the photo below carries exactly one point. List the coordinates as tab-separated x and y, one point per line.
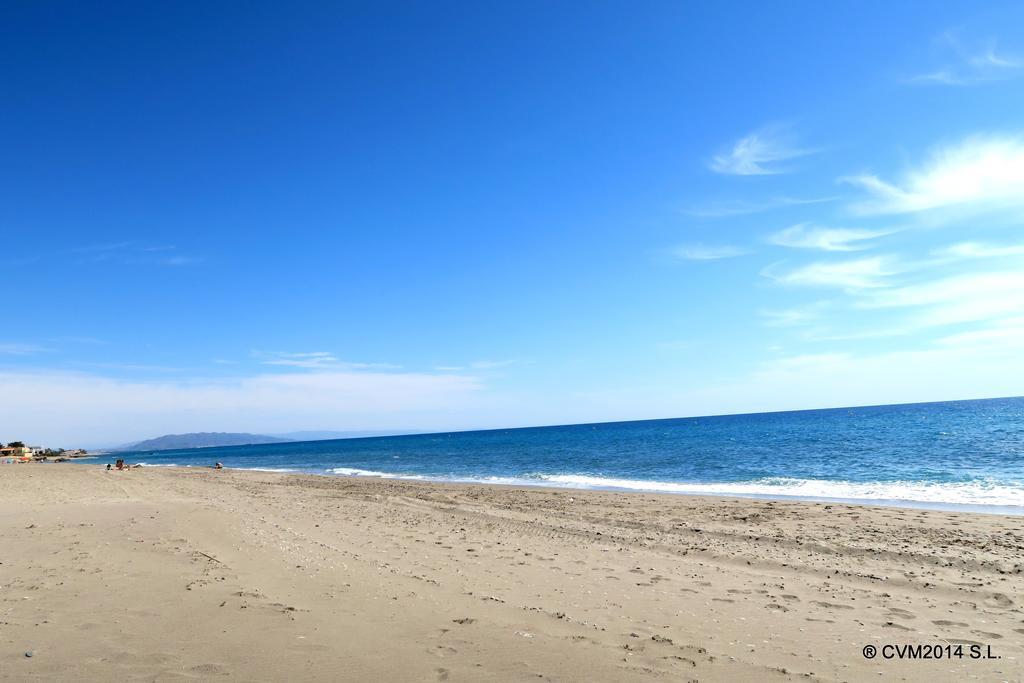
639	486
168	572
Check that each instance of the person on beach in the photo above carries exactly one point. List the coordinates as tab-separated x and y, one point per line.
218	466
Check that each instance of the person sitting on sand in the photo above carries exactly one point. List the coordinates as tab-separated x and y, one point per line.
108	467
218	466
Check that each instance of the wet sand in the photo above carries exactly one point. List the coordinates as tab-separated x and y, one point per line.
169	574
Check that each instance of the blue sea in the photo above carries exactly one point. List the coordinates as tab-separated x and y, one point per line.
961	455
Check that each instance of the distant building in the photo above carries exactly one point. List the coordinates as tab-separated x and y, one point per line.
16	452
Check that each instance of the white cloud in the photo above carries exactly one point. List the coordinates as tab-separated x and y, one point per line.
15	349
980	172
134	253
758	154
492	364
865	273
956	299
808	236
697	252
1004	333
971	66
478	365
725	209
793	317
951	288
179	261
833	379
928	373
952	300
970	250
312	360
69	409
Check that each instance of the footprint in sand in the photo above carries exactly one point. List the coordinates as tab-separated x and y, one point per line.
999	600
946	622
831	605
987	634
893	624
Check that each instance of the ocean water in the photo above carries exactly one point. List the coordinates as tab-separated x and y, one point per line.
960	454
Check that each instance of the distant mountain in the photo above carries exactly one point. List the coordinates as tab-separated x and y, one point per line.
201	440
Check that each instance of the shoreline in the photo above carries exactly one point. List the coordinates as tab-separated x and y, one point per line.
165	573
937	506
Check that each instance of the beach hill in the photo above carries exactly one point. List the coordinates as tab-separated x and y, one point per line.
202	440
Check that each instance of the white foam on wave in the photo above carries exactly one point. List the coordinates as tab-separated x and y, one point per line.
978	493
965	493
353	472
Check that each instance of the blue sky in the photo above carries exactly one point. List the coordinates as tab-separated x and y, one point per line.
438	216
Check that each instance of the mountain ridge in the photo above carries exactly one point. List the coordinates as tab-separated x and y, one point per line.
201	440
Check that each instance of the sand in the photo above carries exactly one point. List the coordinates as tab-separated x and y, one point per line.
168	574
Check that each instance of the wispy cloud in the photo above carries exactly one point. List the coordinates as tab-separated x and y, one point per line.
698	252
313	360
100	248
759	153
983	172
726	209
1004	332
179	260
493	364
971	65
972	250
134	253
923	292
956	299
896	375
478	365
793	317
809	236
133	367
16	349
864	273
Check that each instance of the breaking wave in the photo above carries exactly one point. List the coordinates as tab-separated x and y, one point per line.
976	493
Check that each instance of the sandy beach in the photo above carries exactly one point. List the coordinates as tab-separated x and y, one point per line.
168	574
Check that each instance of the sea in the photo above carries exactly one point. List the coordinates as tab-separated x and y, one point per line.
965	455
